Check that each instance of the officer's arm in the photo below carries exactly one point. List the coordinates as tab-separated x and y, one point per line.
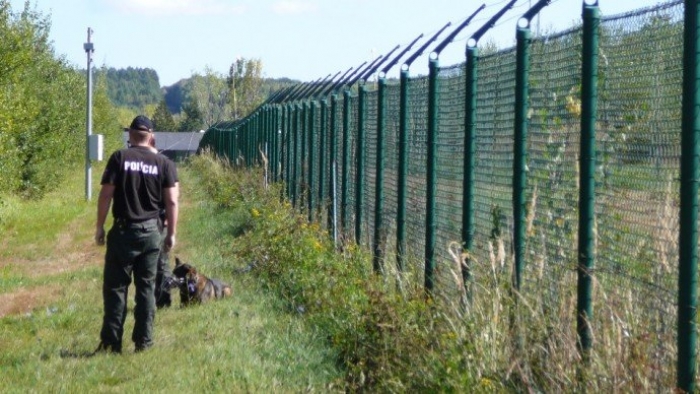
103	203
171	211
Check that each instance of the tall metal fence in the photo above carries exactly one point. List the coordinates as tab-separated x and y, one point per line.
558	161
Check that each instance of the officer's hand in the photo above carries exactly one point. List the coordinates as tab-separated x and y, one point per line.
169	243
100	236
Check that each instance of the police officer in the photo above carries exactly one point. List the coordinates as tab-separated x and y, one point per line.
138	182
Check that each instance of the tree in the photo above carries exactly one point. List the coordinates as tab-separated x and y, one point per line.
245	86
193	120
210	93
162	118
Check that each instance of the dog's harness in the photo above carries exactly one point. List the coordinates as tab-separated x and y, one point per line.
189	283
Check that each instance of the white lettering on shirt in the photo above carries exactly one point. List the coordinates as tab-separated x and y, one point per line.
139	166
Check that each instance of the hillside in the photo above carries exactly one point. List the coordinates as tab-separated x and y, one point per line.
133	88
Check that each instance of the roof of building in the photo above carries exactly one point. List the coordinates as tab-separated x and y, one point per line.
174	141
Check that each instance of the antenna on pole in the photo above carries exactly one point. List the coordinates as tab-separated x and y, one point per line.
89	49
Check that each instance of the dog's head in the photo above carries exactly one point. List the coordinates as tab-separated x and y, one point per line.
188	276
184	270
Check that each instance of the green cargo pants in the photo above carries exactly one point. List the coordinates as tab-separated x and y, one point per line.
132	248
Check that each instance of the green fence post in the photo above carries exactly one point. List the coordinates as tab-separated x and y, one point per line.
310	168
247	140
240	145
267	139
586	231
230	147
290	148
296	156
279	140
688	238
272	156
287	111
268	146
378	255
333	167
262	141
431	175
217	148
322	150
344	220
256	138
276	135
523	39
260	134
281	153
234	145
250	141
469	154
403	171
360	164
304	186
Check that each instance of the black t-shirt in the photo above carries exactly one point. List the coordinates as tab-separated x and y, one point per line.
139	177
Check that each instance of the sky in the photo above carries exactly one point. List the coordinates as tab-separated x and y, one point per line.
299	39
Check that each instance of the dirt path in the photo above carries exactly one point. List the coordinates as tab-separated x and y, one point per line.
67	255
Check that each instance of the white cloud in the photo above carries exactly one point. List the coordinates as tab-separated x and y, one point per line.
293	7
176	7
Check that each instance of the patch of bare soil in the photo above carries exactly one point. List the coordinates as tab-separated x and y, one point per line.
27	299
68	255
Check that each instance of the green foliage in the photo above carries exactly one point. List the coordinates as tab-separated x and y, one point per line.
244	82
162	118
388	338
42	107
208	92
193	119
133	88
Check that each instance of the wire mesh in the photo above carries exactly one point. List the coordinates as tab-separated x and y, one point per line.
637	177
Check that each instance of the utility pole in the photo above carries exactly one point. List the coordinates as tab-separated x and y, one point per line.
89	49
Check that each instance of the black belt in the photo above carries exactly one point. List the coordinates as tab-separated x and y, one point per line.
129	221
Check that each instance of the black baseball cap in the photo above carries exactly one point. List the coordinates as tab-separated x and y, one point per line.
141	123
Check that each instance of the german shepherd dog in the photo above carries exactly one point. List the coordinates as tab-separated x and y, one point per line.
195	287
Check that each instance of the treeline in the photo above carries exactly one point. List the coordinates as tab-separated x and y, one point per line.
42	108
193	103
133	88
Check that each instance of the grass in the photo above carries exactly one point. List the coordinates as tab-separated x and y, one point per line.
51	273
307	316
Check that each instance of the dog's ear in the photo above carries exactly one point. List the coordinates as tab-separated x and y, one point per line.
177	261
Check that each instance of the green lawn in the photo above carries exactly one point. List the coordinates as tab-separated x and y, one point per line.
50	286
